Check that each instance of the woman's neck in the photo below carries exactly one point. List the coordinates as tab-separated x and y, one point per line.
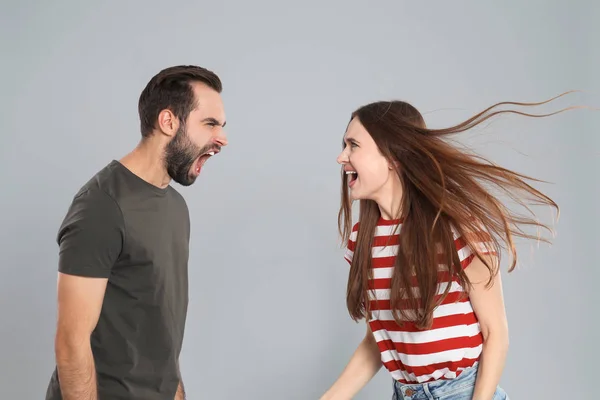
390	201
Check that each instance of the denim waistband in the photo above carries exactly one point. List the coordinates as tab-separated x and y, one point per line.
434	389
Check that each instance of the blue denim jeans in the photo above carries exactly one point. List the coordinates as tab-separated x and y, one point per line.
460	388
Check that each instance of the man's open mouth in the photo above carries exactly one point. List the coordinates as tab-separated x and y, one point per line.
203	158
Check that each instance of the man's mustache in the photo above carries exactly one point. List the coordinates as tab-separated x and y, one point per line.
207	149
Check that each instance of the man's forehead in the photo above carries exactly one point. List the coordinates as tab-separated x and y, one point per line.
209	103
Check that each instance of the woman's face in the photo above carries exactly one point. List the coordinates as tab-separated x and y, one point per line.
368	173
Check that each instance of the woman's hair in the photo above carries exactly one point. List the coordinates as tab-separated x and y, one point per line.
444	191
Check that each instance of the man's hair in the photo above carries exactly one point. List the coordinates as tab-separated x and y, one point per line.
171	89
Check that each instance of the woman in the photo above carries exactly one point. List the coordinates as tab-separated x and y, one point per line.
424	255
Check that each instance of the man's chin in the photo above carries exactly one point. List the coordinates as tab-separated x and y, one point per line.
185	179
184	174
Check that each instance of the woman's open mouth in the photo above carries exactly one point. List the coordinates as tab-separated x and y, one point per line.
352	177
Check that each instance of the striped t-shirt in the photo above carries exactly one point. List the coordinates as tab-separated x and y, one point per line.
453	343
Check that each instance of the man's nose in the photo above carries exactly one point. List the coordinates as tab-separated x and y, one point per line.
221	139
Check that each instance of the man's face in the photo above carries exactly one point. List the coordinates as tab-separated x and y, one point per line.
198	138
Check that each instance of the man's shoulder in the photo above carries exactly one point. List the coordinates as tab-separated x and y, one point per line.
103	180
112	181
98	192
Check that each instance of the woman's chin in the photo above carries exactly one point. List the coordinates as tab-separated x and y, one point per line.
354	196
357	195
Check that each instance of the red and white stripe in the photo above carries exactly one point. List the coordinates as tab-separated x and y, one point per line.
453	343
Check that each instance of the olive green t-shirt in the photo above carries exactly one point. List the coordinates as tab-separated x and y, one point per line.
136	235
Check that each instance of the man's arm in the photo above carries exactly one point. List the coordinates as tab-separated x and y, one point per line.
180	395
79	304
90	240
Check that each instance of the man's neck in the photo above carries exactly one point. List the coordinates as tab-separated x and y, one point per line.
147	162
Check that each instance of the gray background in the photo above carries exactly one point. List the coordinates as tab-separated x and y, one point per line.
267	317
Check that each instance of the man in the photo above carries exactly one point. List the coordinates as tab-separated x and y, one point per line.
123	278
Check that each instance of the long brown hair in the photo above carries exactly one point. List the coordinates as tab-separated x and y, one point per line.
445	190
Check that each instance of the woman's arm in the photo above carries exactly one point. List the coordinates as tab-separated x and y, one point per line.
488	305
362	367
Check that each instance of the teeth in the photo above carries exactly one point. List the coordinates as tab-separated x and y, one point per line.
212	153
350	172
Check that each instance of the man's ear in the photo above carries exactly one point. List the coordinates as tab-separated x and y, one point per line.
168	123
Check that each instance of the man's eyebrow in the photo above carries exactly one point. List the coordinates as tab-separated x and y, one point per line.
214	121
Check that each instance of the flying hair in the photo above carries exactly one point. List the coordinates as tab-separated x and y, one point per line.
447	193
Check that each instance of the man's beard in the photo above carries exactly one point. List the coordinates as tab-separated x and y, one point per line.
180	155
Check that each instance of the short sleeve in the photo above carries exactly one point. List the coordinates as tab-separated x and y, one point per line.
480	239
90	238
351	245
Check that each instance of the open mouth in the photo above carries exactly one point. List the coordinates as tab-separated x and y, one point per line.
352	177
202	159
